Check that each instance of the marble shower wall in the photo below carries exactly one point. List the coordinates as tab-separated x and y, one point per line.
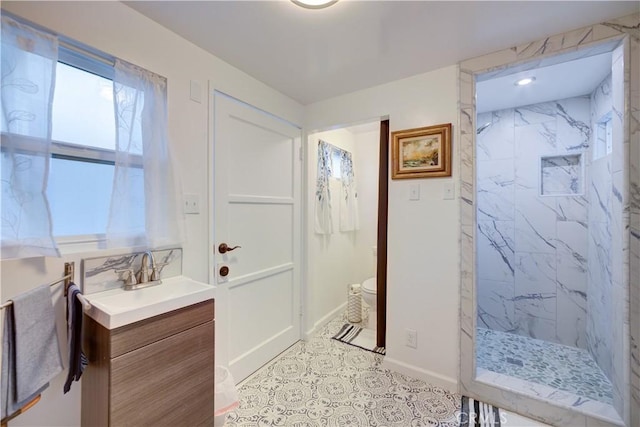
532	248
600	282
549	405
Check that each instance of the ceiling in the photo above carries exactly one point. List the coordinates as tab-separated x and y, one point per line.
554	82
312	55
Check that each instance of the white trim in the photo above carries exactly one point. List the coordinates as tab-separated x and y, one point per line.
324	320
447	383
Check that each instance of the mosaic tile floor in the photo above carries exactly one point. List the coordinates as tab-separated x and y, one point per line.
562	367
323	382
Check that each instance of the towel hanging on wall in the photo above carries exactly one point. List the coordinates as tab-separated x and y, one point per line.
31	355
77	359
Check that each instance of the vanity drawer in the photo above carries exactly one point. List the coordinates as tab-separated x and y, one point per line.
140	334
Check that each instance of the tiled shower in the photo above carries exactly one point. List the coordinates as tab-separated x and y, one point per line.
549	240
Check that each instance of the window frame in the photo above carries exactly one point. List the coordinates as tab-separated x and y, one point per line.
90	60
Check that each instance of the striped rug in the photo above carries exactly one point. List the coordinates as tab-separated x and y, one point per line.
359	337
478	414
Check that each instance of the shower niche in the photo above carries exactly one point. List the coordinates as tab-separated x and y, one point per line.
561	175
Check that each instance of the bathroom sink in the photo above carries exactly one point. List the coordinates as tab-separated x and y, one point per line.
117	307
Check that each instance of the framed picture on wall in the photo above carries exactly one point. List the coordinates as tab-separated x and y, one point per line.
421	152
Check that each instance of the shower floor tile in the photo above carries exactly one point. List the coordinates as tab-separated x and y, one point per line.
555	365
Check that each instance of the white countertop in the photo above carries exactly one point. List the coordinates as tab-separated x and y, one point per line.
117	307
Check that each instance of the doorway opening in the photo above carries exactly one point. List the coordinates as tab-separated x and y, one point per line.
347	178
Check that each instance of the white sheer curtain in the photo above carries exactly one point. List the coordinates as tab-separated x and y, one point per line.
323	220
29	59
144	208
349	214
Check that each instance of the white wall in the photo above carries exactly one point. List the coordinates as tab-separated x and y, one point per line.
118	30
423	236
366	167
341	258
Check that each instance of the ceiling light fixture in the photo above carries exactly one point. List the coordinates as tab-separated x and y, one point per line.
525	81
314	4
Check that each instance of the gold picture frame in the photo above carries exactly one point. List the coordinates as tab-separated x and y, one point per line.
421	152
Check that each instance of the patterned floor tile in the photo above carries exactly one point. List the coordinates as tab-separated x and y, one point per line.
323	382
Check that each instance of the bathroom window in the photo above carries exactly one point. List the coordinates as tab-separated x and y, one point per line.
336	159
603	137
75	121
83	146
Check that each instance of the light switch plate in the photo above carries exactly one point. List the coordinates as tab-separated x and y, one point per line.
191	204
414	192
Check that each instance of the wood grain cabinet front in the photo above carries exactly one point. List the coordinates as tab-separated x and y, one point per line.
157	372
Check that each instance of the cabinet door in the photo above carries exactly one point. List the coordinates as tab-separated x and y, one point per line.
169	382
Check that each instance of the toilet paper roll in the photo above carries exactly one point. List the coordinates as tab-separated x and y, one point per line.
355	288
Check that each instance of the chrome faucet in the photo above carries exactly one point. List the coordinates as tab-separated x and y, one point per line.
143	274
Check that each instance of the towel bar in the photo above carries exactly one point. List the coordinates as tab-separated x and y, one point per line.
69	268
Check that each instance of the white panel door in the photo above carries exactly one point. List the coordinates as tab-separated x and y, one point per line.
257	180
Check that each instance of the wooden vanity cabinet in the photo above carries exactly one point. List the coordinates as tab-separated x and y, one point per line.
156	372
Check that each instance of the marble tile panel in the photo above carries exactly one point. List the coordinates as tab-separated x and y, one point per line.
571	317
555	43
573	125
495	250
466	87
467	124
99	273
600	190
496	140
495	190
535	114
572	258
532	316
495	305
618	229
574	208
532	142
535	274
535	223
634	327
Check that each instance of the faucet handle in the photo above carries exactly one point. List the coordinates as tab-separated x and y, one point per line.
130	278
155	271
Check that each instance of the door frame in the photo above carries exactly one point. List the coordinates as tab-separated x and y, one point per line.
308	326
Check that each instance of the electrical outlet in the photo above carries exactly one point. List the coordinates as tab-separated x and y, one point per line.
412	338
191	204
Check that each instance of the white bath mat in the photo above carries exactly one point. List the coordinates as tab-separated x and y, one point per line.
359	337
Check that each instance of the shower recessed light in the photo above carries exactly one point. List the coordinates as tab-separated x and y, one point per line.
525	81
314	4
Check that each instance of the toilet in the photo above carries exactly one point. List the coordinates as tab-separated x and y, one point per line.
369	295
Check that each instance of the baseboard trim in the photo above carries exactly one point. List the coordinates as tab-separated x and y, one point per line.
324	320
447	383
